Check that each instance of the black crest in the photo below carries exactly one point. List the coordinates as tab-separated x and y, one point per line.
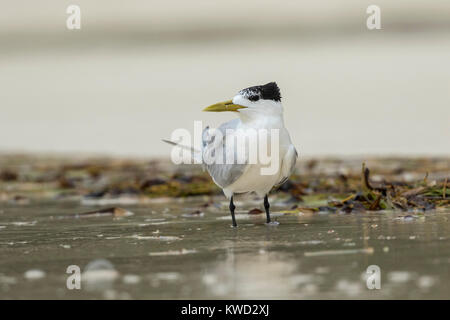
269	91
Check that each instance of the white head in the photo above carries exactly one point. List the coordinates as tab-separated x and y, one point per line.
259	101
253	103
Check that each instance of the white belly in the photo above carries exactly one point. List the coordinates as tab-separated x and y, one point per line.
253	181
256	180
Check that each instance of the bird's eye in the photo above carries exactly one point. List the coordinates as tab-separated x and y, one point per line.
253	98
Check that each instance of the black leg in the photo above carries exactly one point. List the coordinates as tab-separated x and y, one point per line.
267	206
232	207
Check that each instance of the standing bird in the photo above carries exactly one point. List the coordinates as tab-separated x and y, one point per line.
259	107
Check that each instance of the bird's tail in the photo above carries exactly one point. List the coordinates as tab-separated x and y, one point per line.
195	153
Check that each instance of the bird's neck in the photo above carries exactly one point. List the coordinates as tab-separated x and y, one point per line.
262	120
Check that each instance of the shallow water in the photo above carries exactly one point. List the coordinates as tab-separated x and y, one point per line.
165	252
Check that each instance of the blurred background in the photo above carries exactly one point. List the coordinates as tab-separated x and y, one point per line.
137	70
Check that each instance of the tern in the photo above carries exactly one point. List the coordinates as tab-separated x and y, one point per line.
259	108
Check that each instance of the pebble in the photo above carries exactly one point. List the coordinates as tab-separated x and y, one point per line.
131	279
34	274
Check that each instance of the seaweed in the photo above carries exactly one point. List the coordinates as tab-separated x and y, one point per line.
318	185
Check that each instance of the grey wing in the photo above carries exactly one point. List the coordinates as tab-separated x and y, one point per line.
223	174
288	165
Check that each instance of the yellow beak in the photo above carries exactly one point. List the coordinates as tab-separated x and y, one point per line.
224	106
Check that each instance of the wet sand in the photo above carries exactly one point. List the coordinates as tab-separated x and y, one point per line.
165	252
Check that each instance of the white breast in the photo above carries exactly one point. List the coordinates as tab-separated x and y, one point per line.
253	180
